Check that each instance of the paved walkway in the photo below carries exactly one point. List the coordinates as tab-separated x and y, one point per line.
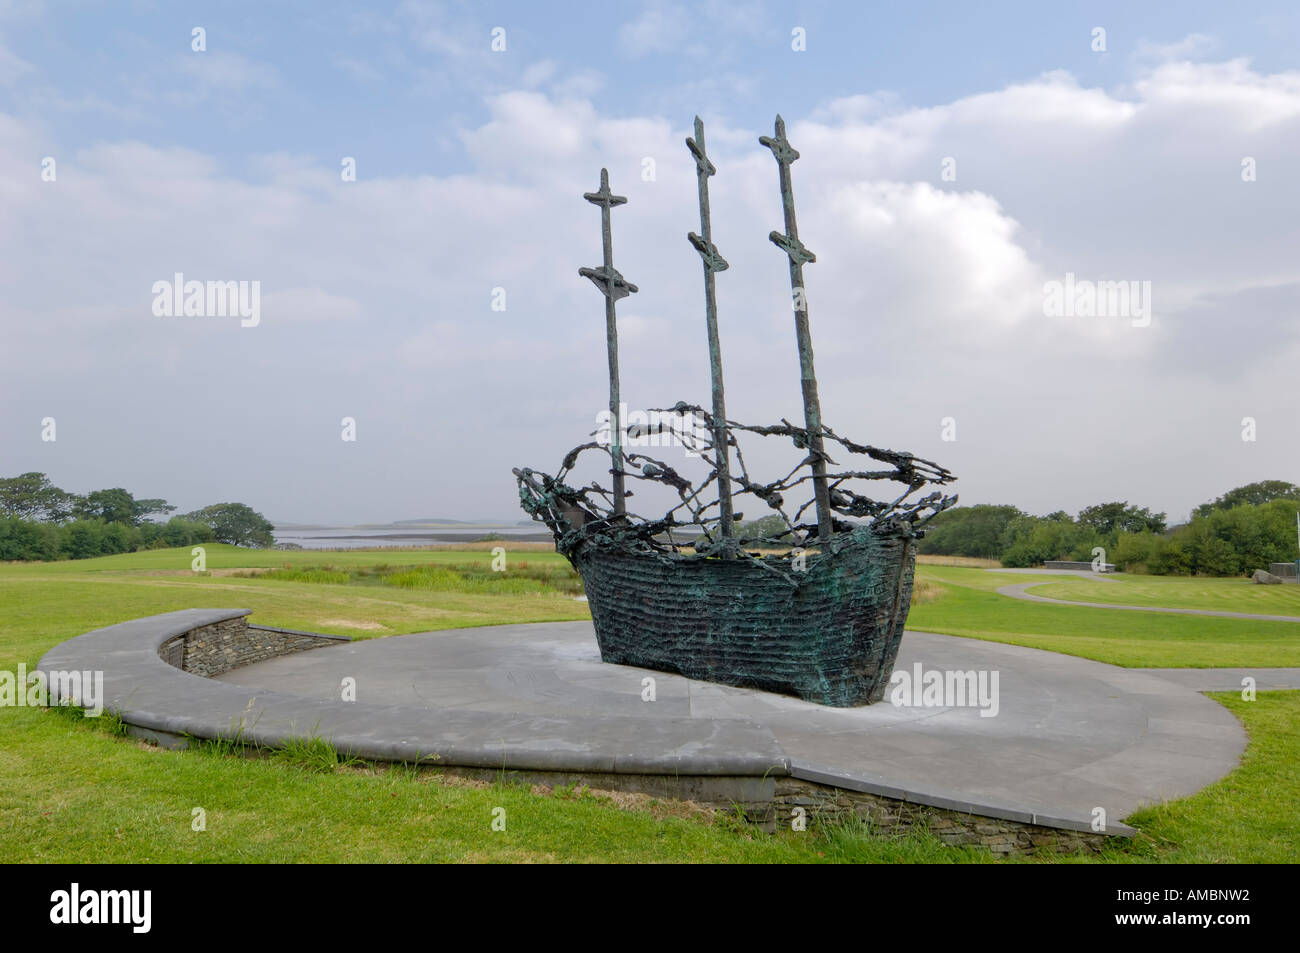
1069	734
1228	679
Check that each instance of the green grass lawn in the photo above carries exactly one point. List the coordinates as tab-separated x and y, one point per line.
1251	815
970	606
71	791
1218	595
42	604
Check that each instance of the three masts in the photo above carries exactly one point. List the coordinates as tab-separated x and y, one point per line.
753	610
614	286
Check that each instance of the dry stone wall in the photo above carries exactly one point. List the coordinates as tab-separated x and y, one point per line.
821	802
214	649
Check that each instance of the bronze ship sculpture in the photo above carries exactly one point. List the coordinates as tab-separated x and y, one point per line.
816	610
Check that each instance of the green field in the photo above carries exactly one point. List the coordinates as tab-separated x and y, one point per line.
70	790
42	604
970	606
1217	595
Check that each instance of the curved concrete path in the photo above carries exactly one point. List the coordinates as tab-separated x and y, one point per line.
1228	679
1069	735
1018	591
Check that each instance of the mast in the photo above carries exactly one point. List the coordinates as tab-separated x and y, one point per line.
713	262
613	286
785	154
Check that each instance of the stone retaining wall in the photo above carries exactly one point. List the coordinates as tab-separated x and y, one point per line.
769	803
214	649
892	816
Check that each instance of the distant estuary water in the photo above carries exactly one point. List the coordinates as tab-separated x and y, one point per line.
367	538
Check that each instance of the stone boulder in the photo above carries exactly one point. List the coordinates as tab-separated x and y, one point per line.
1266	578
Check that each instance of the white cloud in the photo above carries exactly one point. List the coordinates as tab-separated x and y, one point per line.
1229	91
926	295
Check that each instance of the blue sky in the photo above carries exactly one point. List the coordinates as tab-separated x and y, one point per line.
393	83
927	299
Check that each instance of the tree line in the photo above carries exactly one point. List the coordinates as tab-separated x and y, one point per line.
1234	534
38	520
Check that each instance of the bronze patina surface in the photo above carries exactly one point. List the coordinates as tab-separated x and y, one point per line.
814	610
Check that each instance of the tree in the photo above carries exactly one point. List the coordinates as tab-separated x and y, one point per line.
1032	540
82	539
59	507
770	526
235	523
1264	491
1109	519
1220	542
31	496
119	506
969	531
23	539
111	506
184	532
146	508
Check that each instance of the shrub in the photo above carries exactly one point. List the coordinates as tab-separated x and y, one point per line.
968	531
81	539
26	540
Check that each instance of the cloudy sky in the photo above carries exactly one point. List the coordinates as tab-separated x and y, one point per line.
955	162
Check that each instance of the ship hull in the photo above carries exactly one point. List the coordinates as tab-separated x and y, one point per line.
828	634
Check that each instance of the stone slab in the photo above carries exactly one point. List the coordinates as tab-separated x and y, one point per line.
1070	735
1057	717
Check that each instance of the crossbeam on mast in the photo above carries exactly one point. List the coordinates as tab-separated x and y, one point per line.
613	286
713	262
798	254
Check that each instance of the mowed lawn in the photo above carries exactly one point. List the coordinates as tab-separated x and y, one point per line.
71	790
968	605
1216	595
42	604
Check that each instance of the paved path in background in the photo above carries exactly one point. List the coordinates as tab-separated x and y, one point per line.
1069	734
1228	679
1018	591
1099	576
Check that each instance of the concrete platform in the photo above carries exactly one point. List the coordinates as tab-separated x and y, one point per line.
1069	735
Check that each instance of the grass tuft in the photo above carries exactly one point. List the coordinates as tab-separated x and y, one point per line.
313	753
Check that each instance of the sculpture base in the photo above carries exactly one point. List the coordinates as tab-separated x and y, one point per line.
827	634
